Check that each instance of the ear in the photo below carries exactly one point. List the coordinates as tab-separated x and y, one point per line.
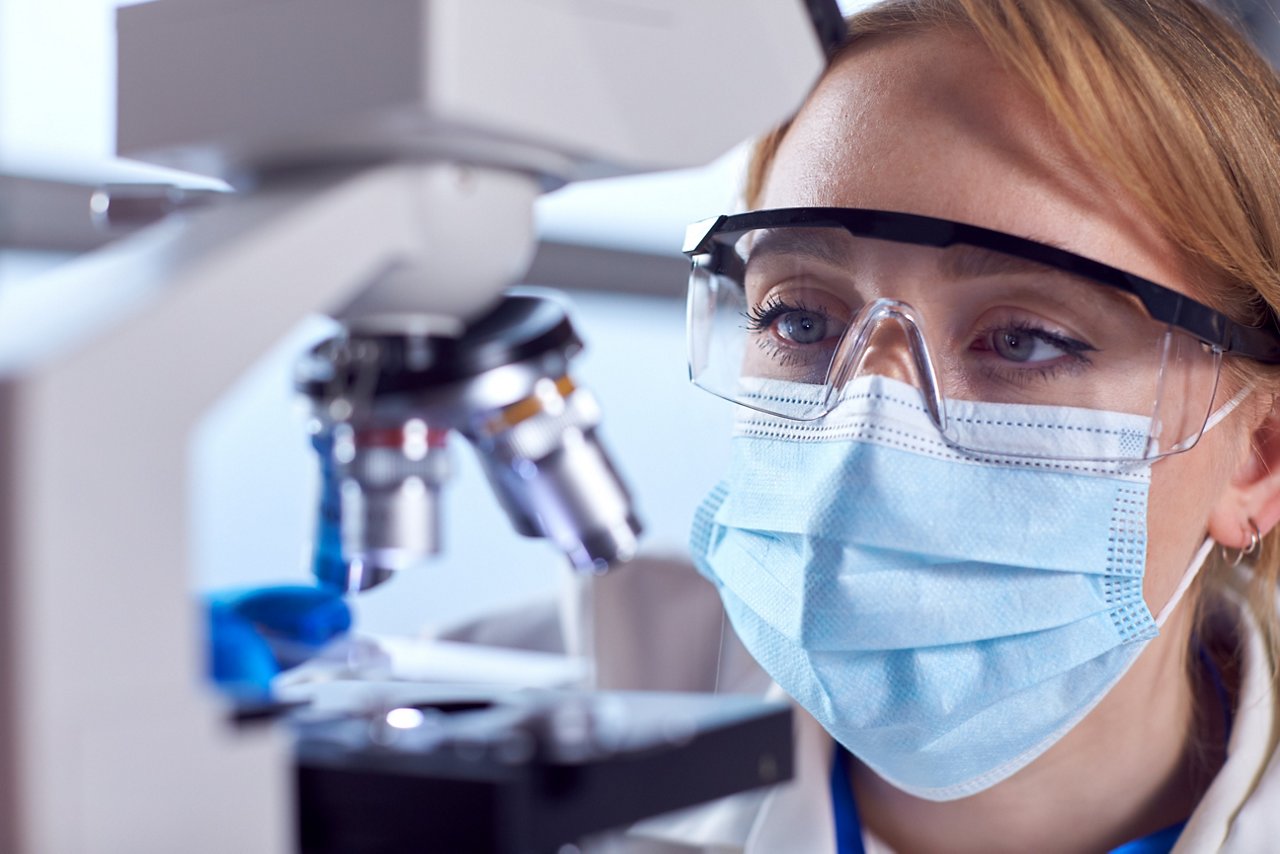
1254	493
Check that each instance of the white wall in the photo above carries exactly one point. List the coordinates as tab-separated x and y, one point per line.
56	79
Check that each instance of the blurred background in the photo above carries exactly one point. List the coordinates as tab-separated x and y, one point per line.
612	245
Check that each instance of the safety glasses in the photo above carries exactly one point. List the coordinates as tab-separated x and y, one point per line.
807	299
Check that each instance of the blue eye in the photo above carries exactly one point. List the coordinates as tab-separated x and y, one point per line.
1018	352
802	327
1031	345
790	324
1018	346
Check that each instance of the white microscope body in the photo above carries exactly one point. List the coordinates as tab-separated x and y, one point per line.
388	154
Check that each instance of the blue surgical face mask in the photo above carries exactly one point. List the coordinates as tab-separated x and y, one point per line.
946	617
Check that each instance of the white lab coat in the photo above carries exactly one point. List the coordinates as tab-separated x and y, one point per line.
658	626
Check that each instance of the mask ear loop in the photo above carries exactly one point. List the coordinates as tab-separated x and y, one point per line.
724	626
1197	562
1202	554
1215	418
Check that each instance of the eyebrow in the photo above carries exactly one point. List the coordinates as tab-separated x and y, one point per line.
959	262
829	245
971	262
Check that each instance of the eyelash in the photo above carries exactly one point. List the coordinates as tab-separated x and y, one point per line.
761	317
1076	351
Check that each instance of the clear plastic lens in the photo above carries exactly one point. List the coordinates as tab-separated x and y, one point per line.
720	360
814	308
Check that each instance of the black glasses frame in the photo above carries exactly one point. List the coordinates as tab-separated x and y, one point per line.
1163	304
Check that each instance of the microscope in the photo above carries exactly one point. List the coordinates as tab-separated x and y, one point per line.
385	156
386	400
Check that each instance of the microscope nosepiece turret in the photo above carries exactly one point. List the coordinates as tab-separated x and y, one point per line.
384	404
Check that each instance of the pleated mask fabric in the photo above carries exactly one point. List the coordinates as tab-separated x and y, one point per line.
946	616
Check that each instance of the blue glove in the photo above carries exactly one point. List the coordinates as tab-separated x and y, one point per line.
257	633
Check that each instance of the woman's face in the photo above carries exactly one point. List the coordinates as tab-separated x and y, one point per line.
928	123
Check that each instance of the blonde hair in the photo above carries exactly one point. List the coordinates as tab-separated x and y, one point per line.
1169	100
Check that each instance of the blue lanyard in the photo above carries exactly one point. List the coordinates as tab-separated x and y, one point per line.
848	826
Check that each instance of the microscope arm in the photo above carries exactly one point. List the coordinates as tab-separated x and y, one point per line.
106	367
